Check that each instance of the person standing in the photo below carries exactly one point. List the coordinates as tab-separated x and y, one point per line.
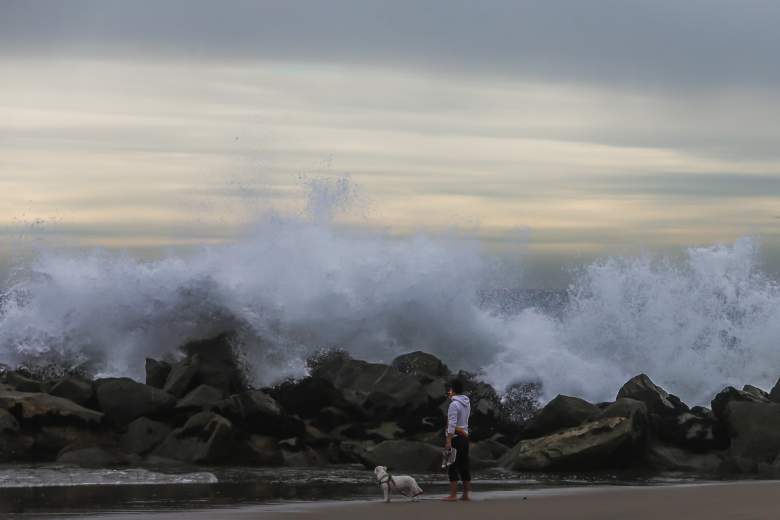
458	437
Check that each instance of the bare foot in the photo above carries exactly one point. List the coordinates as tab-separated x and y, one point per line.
450	498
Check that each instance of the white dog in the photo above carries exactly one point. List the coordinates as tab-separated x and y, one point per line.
402	484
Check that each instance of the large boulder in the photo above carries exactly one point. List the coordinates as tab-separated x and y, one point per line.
666	457
206	438
607	442
15	447
731	394
562	412
404	456
44	409
658	400
157	372
307	397
262	450
426	367
697	430
22	383
754	429
143	435
8	423
181	377
123	400
257	412
93	457
488	450
216	363
204	397
73	388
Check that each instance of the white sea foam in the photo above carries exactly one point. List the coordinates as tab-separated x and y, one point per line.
296	284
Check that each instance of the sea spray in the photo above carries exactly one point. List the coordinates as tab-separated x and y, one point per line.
293	285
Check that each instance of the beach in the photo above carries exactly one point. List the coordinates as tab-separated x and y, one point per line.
711	501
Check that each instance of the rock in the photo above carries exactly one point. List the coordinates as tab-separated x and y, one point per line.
694	432
143	435
124	400
626	407
488	450
46	409
307	397
730	394
404	456
658	401
74	389
605	442
206	438
94	457
774	394
259	413
562	412
425	366
216	363
181	378
304	458
201	398
386	431
21	383
157	372
755	391
8	423
263	450
15	447
665	457
53	439
331	417
754	429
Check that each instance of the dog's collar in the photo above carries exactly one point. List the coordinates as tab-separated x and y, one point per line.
384	480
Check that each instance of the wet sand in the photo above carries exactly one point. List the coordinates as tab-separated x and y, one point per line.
721	501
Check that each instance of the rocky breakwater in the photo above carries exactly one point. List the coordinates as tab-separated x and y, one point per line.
199	410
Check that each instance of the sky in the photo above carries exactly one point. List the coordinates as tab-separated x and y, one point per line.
569	129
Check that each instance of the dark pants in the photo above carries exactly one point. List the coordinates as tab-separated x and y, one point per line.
461	469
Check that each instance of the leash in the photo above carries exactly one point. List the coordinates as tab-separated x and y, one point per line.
390	482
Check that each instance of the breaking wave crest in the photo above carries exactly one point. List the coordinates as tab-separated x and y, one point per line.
294	285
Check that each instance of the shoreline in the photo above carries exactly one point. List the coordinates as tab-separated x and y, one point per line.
705	500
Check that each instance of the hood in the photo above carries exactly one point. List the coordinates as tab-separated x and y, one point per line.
462	400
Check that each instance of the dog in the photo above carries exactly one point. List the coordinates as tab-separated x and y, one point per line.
401	484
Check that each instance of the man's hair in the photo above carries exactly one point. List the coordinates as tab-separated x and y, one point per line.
456	385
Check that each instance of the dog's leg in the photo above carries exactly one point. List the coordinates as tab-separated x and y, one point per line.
386	490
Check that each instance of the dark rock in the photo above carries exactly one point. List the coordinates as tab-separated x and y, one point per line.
304	458
658	401
93	457
331	417
77	390
44	409
774	394
53	439
308	396
754	429
425	366
21	383
665	457
386	431
216	363
755	391
263	450
258	412
607	442
206	438
698	433
626	407
124	400
143	435
404	455
157	372
15	447
488	450
731	394
8	423
203	397
562	412
181	378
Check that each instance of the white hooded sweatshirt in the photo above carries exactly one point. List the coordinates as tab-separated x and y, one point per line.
458	414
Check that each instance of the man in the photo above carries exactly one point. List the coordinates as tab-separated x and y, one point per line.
458	438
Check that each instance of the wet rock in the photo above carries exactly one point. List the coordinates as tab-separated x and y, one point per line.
331	417
665	457
206	438
77	390
257	412
731	394
658	401
774	394
143	435
754	429
424	366
386	431
8	423
308	396
263	450
626	407
304	458
93	457
15	447
157	372
204	397
53	439
45	409
124	400
694	432
755	391
181	378
22	383
404	455
488	450
562	412
216	363
607	442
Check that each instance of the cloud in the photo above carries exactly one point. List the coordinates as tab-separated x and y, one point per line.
663	43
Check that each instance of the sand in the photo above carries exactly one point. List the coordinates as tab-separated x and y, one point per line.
740	500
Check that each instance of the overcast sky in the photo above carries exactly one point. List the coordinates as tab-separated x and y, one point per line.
593	127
